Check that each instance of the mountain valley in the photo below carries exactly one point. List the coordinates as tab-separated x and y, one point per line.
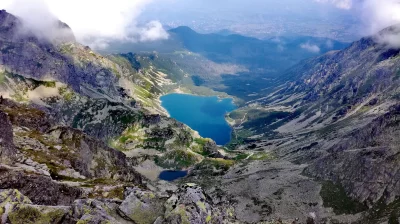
84	136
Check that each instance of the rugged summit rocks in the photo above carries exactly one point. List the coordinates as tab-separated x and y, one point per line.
140	207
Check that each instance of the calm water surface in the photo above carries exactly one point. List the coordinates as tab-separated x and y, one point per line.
203	114
171	175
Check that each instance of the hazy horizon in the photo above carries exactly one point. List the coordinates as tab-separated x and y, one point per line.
97	22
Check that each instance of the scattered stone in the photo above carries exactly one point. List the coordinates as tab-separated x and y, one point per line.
188	205
142	207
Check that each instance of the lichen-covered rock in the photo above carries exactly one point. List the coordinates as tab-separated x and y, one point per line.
142	207
93	158
94	211
16	208
40	189
26	116
7	148
36	214
188	206
13	196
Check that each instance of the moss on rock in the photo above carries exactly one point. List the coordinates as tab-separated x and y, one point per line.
26	214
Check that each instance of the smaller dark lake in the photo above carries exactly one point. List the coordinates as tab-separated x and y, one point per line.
171	175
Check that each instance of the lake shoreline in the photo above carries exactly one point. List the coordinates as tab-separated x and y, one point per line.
204	114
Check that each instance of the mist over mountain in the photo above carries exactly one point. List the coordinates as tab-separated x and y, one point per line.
172	111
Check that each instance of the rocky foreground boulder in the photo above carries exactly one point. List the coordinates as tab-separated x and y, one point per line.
188	204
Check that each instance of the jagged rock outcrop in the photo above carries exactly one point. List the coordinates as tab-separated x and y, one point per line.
142	207
8	24
366	161
94	211
210	148
17	208
7	148
25	54
40	189
26	116
93	159
64	150
188	205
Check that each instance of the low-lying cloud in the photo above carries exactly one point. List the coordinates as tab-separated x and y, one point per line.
94	22
313	48
376	15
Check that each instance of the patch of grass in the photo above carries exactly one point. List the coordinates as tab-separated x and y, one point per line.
199	146
334	196
220	164
177	159
19	97
123	139
201	141
66	93
381	212
50	84
115	193
262	156
241	156
67	48
2	77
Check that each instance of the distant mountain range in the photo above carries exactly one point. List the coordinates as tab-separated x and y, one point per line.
83	137
249	59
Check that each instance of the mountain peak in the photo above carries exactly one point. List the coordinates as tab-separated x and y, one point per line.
182	29
56	31
394	29
389	37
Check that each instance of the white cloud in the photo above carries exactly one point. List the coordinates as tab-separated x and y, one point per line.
376	16
94	22
310	47
152	31
343	4
389	37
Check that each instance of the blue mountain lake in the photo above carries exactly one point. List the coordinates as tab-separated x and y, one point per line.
202	113
171	175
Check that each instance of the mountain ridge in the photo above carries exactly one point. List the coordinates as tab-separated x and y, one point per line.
88	132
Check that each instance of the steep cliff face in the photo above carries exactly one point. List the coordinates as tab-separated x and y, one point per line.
22	52
366	161
328	89
7	147
338	116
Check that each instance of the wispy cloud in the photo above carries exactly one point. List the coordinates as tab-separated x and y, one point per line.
376	15
94	22
343	4
313	48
